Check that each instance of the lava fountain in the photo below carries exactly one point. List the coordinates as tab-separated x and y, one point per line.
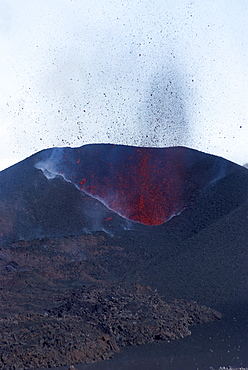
146	185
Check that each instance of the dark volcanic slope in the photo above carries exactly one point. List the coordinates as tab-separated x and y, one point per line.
31	206
149	185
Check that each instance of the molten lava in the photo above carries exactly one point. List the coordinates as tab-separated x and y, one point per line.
147	185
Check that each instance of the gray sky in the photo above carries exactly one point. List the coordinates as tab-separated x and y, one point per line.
149	72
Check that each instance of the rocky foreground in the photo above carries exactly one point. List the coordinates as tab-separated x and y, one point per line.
67	300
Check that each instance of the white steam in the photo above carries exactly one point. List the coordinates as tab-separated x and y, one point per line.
49	166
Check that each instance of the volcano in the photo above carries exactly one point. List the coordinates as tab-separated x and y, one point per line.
66	191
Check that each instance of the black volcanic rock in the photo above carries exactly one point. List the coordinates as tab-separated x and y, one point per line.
66	301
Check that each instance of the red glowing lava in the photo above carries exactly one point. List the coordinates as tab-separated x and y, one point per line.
142	184
144	193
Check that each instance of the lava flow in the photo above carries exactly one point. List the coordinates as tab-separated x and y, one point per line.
146	185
